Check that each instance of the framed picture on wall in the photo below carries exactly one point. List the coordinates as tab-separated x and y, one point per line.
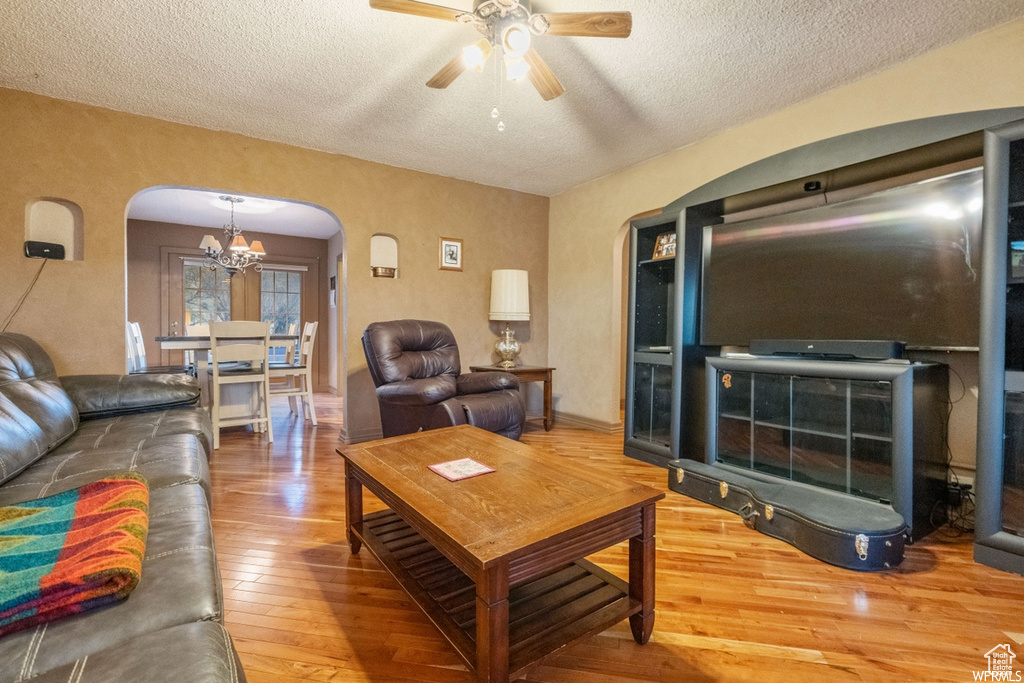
450	254
333	298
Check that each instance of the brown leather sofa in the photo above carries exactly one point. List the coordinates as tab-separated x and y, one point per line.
415	367
59	434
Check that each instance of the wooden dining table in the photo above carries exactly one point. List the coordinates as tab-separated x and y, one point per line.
202	343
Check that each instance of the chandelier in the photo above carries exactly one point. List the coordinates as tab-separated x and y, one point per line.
239	255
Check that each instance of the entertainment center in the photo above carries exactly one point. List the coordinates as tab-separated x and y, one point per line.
874	235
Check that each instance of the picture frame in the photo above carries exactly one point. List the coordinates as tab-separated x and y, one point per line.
333	297
449	254
665	246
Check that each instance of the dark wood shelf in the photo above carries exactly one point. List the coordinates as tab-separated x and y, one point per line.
572	602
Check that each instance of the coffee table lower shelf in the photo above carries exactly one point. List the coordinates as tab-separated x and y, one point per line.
546	613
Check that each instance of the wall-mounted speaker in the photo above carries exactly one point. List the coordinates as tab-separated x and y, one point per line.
50	250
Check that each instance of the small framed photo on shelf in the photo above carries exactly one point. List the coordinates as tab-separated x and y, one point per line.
450	254
665	246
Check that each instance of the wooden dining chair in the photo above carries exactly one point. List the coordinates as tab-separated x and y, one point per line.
239	352
298	374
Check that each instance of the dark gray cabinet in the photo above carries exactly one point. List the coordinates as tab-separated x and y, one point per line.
649	424
866	429
999	524
664	362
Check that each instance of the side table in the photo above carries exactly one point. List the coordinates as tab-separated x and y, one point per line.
528	373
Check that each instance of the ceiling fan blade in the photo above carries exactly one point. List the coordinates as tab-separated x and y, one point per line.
592	24
541	77
448	73
420	9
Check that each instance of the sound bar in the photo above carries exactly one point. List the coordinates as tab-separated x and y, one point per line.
50	250
861	349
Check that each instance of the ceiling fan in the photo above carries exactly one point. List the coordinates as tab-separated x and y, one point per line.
508	24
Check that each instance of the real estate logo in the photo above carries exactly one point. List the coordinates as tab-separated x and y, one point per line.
1000	665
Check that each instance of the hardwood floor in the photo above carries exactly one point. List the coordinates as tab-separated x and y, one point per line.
732	604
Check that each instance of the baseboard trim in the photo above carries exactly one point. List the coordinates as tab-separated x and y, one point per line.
359	437
588	423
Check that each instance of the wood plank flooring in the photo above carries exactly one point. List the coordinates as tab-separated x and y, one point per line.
732	604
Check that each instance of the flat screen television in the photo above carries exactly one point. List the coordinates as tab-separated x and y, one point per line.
898	264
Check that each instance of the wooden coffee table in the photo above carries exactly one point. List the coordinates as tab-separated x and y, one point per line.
496	561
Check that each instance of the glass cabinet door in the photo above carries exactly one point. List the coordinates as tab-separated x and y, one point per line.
828	432
871	439
652	403
734	418
772	424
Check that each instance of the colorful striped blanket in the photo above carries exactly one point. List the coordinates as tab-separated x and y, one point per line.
72	551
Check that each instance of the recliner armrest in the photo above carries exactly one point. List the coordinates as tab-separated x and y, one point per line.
482	382
418	392
98	396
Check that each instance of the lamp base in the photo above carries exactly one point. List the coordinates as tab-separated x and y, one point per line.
507	348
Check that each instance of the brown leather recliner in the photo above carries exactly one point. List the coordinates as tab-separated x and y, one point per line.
415	367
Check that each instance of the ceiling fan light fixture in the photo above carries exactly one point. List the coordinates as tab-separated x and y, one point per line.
515	40
515	69
476	55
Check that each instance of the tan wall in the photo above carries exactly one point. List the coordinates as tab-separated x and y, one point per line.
146	287
100	158
971	75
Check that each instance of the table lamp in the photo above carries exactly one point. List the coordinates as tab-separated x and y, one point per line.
510	301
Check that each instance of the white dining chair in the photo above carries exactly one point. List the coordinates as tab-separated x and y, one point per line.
239	352
298	374
197	330
137	355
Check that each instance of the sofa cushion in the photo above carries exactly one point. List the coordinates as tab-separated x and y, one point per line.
180	584
36	414
164	461
130	430
200	652
97	396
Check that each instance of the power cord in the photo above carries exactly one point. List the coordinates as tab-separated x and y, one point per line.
959	504
24	296
959	512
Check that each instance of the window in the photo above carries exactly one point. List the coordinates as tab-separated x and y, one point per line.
207	294
281	304
281	300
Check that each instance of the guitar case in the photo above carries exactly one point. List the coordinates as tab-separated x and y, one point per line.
842	530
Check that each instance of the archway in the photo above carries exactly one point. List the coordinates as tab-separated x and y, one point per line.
164	226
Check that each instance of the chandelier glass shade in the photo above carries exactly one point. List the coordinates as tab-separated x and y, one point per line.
239	255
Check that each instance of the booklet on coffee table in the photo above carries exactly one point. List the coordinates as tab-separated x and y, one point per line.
464	468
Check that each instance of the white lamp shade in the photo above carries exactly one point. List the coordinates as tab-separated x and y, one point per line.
383	252
209	242
510	295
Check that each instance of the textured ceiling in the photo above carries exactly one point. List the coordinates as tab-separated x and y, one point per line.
335	75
